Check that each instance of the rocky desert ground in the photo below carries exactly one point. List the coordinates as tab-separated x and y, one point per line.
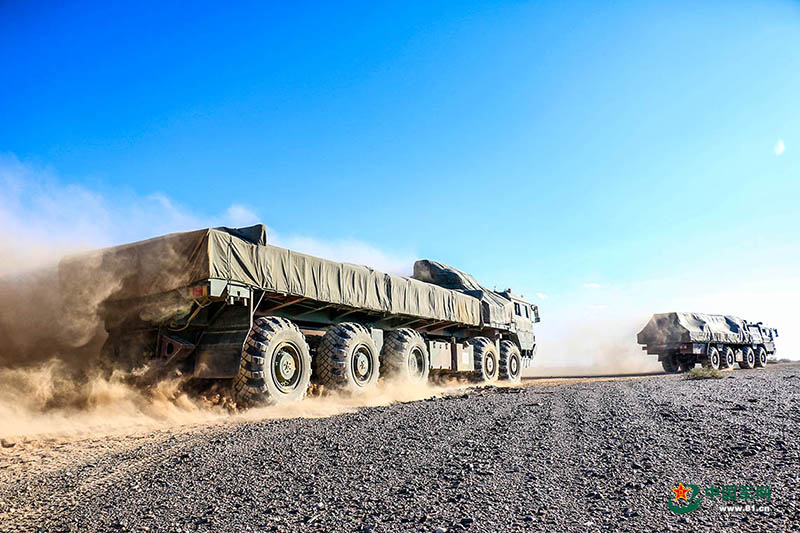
600	454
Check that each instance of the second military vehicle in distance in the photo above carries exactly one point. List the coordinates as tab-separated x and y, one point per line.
682	340
221	303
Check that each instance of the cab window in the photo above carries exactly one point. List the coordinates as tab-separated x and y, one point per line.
527	313
516	309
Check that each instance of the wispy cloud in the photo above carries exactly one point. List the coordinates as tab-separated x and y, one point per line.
348	251
780	147
541	296
239	215
43	218
592	286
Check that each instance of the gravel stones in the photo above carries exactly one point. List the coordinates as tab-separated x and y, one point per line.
589	456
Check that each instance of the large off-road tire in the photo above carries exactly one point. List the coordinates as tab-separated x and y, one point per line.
728	358
404	356
713	359
686	367
510	368
486	360
347	359
275	367
669	364
761	357
748	358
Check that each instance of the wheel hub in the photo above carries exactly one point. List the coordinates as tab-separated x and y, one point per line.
490	365
514	366
413	369
416	362
286	369
286	366
362	365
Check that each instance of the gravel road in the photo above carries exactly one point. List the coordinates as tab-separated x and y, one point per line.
583	455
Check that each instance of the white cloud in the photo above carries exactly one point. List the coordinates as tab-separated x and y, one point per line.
41	215
41	219
592	286
541	296
780	147
347	250
239	215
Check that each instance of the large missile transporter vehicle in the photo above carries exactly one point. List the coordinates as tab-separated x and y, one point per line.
223	304
682	340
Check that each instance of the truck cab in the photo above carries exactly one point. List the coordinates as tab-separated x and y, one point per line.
524	315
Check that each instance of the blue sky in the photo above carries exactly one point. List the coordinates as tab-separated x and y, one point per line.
579	150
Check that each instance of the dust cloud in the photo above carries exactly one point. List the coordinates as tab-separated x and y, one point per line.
48	400
53	379
326	404
593	342
51	375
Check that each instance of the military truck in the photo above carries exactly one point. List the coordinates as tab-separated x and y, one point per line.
682	340
222	303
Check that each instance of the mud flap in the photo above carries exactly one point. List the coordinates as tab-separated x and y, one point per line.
219	354
527	362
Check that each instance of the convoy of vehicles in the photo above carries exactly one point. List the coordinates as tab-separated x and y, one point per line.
223	304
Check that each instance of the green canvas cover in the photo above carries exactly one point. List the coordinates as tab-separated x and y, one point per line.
242	255
496	308
666	328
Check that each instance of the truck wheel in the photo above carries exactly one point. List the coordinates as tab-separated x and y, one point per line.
712	359
275	366
485	359
669	364
748	359
728	358
761	357
686	367
405	356
347	359
510	368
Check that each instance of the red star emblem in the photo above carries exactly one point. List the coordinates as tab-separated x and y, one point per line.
680	492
